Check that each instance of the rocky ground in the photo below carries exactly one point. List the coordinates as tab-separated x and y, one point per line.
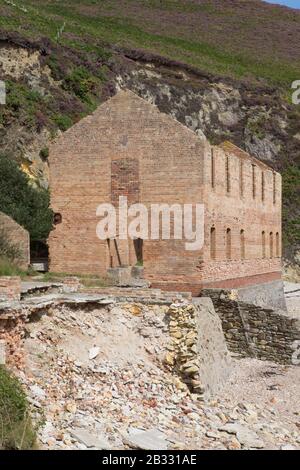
96	379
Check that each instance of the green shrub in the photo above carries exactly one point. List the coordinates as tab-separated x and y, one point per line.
9	268
62	121
79	82
44	153
16	431
20	98
26	204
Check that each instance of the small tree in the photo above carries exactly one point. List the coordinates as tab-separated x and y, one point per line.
16	430
26	204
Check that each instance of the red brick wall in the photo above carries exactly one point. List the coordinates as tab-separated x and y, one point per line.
248	206
127	147
124	182
10	288
81	162
18	236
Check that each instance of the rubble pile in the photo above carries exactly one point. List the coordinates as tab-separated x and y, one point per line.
96	379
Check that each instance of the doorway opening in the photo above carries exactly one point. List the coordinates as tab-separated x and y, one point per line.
138	248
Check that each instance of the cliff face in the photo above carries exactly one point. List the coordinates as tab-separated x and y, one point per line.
52	84
255	117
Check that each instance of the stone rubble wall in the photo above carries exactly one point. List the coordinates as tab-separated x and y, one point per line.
251	330
197	351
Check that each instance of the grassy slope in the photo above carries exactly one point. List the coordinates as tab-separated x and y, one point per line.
239	38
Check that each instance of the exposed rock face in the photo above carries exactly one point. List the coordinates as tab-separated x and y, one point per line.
251	117
23	65
19	63
220	109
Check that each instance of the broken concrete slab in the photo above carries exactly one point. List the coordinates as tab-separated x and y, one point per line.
90	440
245	436
93	353
152	439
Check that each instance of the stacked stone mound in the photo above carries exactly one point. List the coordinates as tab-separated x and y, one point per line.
197	351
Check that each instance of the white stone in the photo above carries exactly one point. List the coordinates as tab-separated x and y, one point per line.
90	440
38	392
153	439
93	353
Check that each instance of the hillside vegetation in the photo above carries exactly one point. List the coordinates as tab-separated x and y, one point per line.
241	38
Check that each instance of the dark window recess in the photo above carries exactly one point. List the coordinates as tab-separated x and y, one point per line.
39	251
57	218
138	247
228	243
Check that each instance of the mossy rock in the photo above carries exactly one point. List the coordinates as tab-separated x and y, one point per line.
16	430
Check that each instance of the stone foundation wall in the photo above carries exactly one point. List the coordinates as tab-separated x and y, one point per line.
197	351
251	330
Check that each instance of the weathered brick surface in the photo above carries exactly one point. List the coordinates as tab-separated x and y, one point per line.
10	288
71	284
18	236
127	147
239	209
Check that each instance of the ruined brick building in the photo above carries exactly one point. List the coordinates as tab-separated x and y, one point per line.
18	238
128	147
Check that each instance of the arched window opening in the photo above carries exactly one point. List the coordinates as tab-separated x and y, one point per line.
271	245
262	186
253	182
228	243
241	178
242	243
57	218
277	245
227	170
138	248
39	255
212	168
213	243
263	244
